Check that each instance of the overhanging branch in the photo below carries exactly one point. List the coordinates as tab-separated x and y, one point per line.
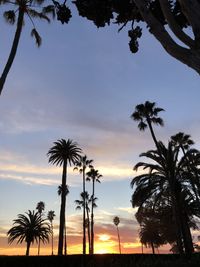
176	29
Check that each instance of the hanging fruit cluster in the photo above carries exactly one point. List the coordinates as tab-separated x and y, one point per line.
62	11
134	34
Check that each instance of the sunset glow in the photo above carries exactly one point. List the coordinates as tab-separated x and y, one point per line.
83	84
104	237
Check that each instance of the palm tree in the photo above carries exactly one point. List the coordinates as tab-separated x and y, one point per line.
63	153
147	114
149	235
84	201
50	217
29	228
94	176
116	222
32	9
167	174
40	208
82	165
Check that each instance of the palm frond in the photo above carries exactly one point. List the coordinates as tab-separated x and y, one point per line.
37	37
35	14
10	16
49	10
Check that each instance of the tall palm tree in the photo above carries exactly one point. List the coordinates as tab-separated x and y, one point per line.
147	115
116	222
82	165
29	228
94	176
50	217
40	208
168	173
63	153
21	8
85	201
66	192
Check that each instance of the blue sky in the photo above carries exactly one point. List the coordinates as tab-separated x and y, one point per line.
83	83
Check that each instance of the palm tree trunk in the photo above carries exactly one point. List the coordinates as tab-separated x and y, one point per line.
177	221
187	237
152	133
65	253
119	240
88	218
92	219
62	210
84	230
153	249
39	239
28	248
13	48
142	248
39	247
51	238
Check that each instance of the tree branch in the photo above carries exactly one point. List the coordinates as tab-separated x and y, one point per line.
184	55
191	9
176	29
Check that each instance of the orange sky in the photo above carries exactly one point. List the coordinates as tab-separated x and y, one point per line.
105	242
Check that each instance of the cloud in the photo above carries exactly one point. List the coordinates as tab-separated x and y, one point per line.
128	210
14	166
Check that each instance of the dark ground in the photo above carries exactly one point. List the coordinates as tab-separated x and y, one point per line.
105	260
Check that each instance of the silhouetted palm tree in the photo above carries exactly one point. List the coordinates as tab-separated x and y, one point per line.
94	176
85	200
116	222
82	165
63	153
20	9
149	235
29	228
40	208
147	114
50	217
167	174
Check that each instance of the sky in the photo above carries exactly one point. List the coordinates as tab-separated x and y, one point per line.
83	84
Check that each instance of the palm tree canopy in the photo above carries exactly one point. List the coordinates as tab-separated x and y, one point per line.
88	200
40	206
116	220
80	202
147	111
83	163
182	140
29	228
93	175
51	215
33	9
63	150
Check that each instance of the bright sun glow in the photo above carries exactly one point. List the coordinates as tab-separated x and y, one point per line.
104	237
102	251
